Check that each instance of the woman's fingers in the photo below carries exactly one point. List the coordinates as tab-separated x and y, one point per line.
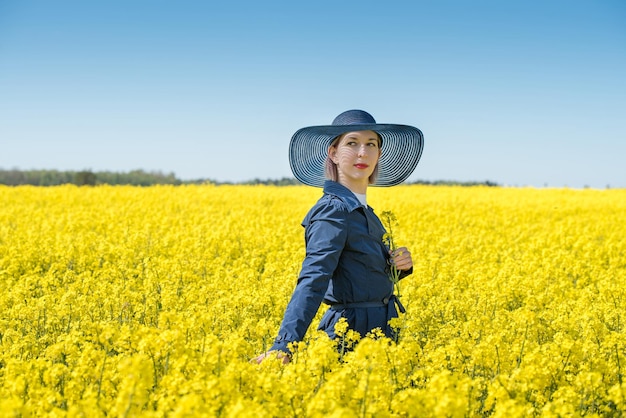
402	258
278	354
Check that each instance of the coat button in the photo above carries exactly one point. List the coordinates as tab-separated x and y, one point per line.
386	301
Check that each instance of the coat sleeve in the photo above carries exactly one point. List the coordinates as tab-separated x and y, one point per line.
325	237
404	273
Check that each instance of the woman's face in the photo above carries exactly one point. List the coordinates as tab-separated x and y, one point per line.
356	155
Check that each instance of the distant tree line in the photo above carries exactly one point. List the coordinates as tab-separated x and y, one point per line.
455	183
150	178
85	178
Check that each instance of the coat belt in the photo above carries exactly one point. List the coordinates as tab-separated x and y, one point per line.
372	304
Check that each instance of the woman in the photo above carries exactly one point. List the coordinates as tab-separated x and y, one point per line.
347	263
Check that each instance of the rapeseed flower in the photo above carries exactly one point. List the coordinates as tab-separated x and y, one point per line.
131	301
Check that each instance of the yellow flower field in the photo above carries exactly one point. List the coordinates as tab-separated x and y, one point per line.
127	301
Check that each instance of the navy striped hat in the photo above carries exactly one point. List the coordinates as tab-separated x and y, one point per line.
401	150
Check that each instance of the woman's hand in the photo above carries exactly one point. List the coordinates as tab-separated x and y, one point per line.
278	354
401	258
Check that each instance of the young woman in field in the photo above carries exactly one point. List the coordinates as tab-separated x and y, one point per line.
347	264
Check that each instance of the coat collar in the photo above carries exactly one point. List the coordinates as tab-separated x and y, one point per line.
342	192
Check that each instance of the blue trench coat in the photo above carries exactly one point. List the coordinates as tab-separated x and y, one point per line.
346	266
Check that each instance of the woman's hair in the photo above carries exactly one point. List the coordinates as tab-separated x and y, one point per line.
330	168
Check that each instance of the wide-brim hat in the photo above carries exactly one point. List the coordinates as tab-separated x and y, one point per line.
401	148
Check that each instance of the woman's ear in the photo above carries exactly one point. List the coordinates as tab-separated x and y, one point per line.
332	153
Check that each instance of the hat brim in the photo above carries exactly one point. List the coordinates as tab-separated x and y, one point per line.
401	150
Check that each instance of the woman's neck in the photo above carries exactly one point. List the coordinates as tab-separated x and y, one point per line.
355	187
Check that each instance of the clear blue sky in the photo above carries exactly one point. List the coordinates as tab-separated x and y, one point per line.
522	92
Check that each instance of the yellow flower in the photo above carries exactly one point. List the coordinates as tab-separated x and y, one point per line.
389	221
151	301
